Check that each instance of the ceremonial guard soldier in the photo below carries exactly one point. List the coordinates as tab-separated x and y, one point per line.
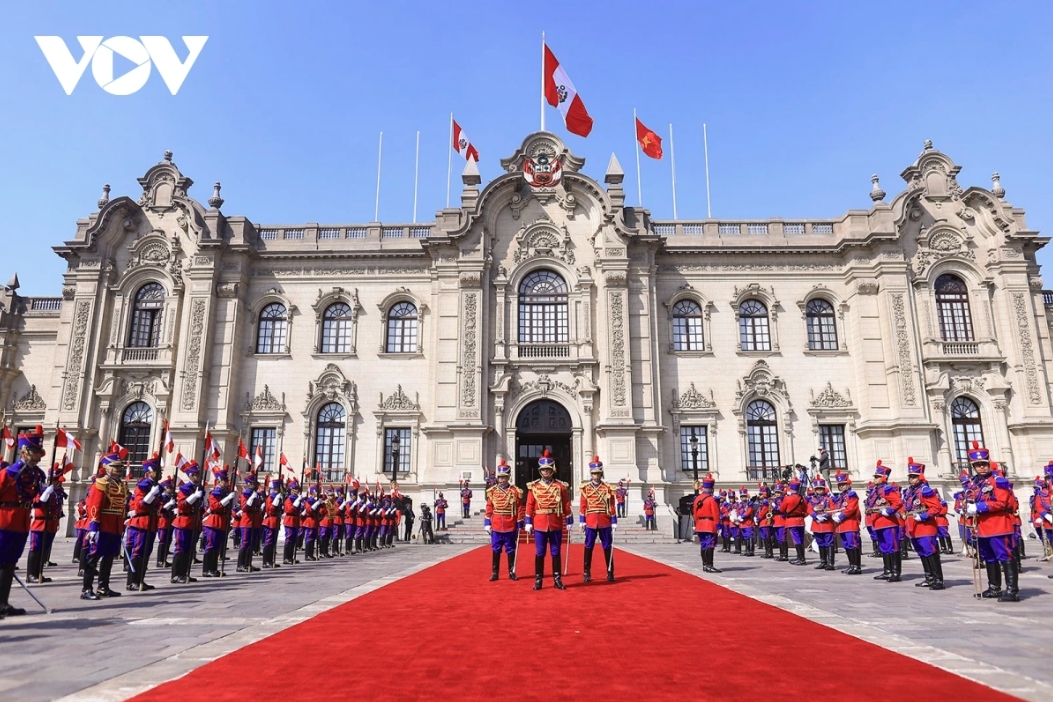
649	507
273	508
923	505
80	528
326	522
992	503
746	522
309	523
733	521
821	507
706	511
621	495
251	514
217	523
885	502
20	483
943	531
1044	507
165	520
778	492
189	498
504	518
466	500
350	519
47	512
793	509
440	512
597	516
291	521
765	518
361	522
143	516
846	516
107	502
547	512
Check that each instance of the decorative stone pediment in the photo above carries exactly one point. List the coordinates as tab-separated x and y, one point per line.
543	384
547	144
693	399
762	383
332	386
399	402
937	244
30	402
934	174
829	398
264	402
162	184
543	237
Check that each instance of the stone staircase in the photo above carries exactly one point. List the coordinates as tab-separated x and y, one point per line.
630	530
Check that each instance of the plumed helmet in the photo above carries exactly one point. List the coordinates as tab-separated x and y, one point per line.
708	481
842	478
32	440
503	468
881	470
546	461
914	468
293	485
152	463
191	468
596	466
819	484
109	459
743	492
978	454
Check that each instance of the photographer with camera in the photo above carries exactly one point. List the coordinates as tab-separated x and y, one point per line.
427	535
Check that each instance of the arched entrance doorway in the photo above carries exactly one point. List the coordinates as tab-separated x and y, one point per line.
543	424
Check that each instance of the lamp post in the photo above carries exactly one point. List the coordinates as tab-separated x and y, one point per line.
395	445
694	455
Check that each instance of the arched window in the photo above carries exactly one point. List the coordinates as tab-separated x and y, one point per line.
273	329
687	326
543	309
402	328
965	420
952	307
146	317
336	329
763	439
753	326
822	332
329	444
135	431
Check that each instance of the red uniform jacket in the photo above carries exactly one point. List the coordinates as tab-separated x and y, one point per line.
707	513
793	509
821	507
326	512
923	506
888	502
46	515
219	514
188	514
146	513
310	514
746	513
847	505
19	486
548	505
292	513
272	510
82	515
250	514
106	504
776	506
597	507
995	504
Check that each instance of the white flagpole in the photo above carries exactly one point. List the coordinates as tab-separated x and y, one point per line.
705	143
542	81
416	170
380	153
672	163
449	160
639	189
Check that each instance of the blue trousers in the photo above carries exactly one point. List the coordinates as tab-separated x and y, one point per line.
503	539
850	539
553	539
606	535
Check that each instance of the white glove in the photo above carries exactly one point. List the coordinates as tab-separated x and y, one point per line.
838	517
1048	518
487	528
614	526
91	537
169	505
46	495
529	528
887	511
194	498
251	500
131	513
149	497
581	525
297	501
227	500
971	509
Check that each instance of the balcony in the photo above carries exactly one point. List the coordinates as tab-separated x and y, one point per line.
543	351
983	351
151	357
961	348
139	355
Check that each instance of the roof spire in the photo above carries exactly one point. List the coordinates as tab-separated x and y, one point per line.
876	193
215	202
13	284
105	196
996	185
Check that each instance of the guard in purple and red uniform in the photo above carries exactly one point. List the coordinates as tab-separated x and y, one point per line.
309	523
504	518
142	524
597	516
746	522
251	514
793	509
165	518
291	521
885	502
326	522
846	516
778	492
992	503
216	523
47	512
107	502
187	522
466	500
441	505
547	511
1044	505
706	511
764	516
923	505
822	507
649	507
80	528
621	495
20	483
733	521
272	520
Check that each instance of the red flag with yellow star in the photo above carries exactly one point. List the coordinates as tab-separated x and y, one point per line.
650	142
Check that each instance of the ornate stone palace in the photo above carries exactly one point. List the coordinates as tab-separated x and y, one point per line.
544	312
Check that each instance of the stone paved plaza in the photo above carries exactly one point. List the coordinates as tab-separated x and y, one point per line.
160	635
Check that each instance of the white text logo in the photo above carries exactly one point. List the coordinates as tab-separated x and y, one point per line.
142	53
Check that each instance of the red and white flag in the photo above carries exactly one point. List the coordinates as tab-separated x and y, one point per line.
283	464
243	451
257	460
8	438
169	445
462	145
64	439
561	94
212	447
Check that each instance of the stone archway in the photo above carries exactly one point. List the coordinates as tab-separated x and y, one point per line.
543	424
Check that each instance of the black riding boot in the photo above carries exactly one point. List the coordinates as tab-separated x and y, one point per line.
937	572
784	552
886	570
800	560
875	551
495	563
903	549
950	546
1012	588
608	556
309	552
927	567
358	544
557	572
35	568
512	566
588	565
822	558
89	579
76	550
707	562
104	578
539	571
896	561
994	580
738	545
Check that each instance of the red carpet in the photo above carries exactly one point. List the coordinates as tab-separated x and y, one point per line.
656	634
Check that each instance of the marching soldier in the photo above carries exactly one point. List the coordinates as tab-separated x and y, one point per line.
597	516
821	507
20	483
733	521
251	513
47	512
187	523
273	508
868	521
440	513
923	505
309	523
793	509
326	522
778	492
165	518
547	511
621	495
746	521
846	516
466	500
943	531
765	518
291	521
107	502
885	503
80	528
706	511
142	525
1044	508
504	518
992	503
216	523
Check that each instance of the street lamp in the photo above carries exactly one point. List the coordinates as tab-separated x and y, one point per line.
694	455
395	444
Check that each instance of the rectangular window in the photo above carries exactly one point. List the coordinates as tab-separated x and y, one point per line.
694	455
264	437
404	448
832	438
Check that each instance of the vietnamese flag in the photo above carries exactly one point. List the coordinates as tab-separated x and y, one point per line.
650	142
561	94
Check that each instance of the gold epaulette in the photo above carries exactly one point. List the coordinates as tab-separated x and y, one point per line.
584	485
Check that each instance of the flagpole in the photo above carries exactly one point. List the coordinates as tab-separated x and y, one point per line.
380	153
449	160
639	189
416	170
705	143
672	163
542	81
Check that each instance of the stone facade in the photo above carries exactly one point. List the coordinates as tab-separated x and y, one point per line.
889	378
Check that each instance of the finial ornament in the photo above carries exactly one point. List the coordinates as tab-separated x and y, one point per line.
928	144
105	196
168	156
996	185
876	193
215	202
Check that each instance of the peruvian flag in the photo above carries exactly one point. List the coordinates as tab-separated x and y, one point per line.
462	145
8	438
283	464
257	460
64	439
211	447
650	142
243	452
169	445
561	94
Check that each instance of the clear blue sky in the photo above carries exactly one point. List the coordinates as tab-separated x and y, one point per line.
803	101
